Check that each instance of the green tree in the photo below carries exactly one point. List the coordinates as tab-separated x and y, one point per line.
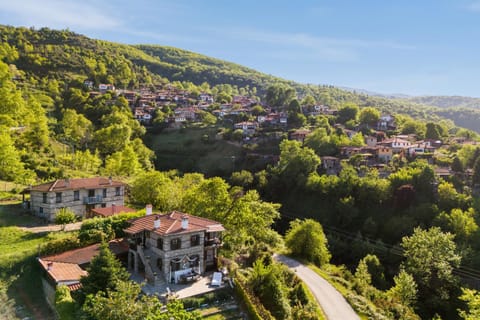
432	131
472	298
405	289
77	129
347	112
127	303
461	223
369	116
430	257
64	304
104	272
307	240
476	172
242	178
296	163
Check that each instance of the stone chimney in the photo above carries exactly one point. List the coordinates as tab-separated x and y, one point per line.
49	265
110	180
113	208
148	209
67	182
156	223
185	222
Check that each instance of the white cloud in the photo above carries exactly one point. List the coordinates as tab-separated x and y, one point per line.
60	14
333	49
474	6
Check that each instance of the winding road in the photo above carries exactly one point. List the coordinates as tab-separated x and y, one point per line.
333	304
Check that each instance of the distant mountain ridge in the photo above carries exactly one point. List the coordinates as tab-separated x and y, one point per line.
66	56
447	101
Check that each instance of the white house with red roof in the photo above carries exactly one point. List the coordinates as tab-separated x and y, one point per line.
173	247
79	195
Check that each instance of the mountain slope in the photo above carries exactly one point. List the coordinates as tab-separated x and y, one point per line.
447	101
66	56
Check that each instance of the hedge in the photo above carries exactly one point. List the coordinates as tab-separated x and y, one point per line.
255	309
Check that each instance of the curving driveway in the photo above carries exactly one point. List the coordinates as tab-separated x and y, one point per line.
332	302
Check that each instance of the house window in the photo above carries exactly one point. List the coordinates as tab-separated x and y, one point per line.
76	195
195	240
44	197
104	205
175	244
117	191
58	197
104	193
40	210
160	243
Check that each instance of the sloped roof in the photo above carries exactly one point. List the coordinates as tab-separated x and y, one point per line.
73	184
171	223
65	267
63	272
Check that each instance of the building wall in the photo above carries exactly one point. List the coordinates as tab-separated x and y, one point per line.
78	206
186	250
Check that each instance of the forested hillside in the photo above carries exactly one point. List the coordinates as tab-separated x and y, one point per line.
393	182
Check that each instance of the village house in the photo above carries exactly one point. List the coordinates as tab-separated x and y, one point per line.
78	195
103	88
173	247
299	135
331	165
384	153
68	267
386	122
247	127
371	141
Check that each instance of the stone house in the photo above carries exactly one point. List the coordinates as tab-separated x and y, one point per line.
78	195
172	247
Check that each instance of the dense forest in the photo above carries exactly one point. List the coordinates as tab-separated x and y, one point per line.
406	237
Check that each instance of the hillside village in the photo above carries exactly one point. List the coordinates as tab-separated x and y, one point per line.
380	146
192	177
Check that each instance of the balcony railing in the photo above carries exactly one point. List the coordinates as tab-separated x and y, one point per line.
93	200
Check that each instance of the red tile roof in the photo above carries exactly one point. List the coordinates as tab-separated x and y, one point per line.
85	255
74	184
62	272
65	266
171	223
111	211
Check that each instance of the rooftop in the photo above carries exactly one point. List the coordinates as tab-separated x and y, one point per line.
72	184
171	223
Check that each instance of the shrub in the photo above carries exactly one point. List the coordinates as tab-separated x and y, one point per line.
64	216
64	303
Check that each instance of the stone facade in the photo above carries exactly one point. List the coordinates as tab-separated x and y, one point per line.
78	196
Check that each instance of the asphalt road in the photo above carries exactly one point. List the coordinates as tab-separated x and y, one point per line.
332	302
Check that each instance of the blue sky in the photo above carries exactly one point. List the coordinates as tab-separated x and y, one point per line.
421	47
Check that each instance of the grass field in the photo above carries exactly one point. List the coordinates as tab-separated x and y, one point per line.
20	287
194	150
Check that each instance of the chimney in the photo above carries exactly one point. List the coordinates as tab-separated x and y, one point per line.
156	222
148	209
49	265
113	208
110	181
185	222
67	182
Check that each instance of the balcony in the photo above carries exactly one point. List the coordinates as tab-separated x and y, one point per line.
93	200
215	242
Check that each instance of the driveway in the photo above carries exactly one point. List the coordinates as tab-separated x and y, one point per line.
332	302
54	227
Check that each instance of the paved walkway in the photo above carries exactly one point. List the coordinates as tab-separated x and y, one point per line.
55	227
332	302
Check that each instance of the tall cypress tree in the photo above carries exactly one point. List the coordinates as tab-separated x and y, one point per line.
103	273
